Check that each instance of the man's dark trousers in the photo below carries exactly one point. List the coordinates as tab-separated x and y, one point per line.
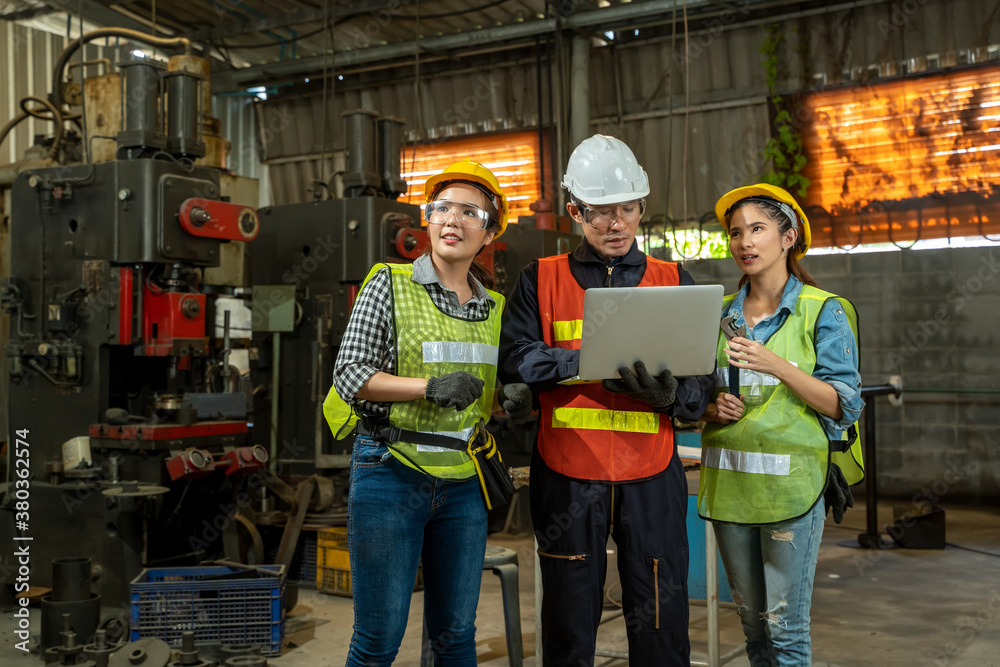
647	519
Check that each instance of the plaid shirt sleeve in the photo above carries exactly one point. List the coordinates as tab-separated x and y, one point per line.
368	344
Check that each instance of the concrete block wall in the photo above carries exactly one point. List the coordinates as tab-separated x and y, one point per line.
933	318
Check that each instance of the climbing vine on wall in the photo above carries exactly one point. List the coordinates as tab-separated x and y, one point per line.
784	150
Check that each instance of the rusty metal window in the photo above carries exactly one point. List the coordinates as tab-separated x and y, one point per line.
906	160
513	157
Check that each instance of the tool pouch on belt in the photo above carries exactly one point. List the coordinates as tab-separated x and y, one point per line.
494	478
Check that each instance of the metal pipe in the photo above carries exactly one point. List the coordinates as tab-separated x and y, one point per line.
942	390
70	579
870	538
541	129
598	19
184	114
580	90
275	392
64	57
390	145
361	169
56	117
712	592
141	122
106	62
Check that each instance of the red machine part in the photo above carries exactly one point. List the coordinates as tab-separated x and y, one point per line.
411	242
125	305
219	220
152	433
190	464
168	317
545	217
243	459
488	256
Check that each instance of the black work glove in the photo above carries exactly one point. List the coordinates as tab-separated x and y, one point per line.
838	493
659	392
456	390
515	399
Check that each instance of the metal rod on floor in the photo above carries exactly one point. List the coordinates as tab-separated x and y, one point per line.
275	392
712	593
538	608
871	539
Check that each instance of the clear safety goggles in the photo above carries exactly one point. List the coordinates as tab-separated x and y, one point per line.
603	217
465	215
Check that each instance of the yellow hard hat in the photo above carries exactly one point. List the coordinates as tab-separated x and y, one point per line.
477	175
766	191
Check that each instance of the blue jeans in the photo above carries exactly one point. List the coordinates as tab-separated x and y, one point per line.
771	570
395	516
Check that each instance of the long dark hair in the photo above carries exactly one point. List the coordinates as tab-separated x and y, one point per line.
777	216
476	269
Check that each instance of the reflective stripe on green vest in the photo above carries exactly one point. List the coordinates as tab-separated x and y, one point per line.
771	465
430	343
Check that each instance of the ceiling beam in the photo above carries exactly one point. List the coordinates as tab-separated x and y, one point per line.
605	19
29	13
233	28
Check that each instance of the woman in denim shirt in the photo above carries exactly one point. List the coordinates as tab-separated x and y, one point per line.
770	453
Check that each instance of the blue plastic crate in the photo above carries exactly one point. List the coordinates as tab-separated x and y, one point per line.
167	602
303	566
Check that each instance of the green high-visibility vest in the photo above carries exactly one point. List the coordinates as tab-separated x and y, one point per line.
771	464
430	343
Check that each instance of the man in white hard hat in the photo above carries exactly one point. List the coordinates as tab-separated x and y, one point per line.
604	462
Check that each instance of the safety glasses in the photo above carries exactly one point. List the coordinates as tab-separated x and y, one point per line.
603	217
465	215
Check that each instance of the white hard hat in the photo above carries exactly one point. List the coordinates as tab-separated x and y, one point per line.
603	170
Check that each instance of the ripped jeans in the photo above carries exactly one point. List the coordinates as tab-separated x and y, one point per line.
771	570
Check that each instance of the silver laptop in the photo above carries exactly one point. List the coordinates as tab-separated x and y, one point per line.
664	327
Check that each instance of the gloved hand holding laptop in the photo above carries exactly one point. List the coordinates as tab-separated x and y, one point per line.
658	391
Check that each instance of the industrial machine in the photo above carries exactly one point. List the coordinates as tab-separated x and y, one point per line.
127	407
169	350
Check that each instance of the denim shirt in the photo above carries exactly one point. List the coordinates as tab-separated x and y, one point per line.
836	349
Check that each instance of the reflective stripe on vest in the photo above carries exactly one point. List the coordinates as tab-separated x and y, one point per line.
753	462
430	343
606	420
567	331
771	464
586	432
441	352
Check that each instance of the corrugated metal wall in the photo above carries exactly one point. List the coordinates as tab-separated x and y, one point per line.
239	127
728	124
463	102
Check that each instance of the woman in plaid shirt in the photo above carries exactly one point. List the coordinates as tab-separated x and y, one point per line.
418	364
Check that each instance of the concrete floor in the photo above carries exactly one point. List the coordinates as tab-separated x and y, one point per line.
896	607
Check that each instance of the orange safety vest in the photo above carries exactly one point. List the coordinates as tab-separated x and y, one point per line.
587	432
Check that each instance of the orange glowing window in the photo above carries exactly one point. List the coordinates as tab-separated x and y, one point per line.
913	158
512	157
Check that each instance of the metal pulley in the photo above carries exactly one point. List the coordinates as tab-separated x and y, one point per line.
246	661
148	652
